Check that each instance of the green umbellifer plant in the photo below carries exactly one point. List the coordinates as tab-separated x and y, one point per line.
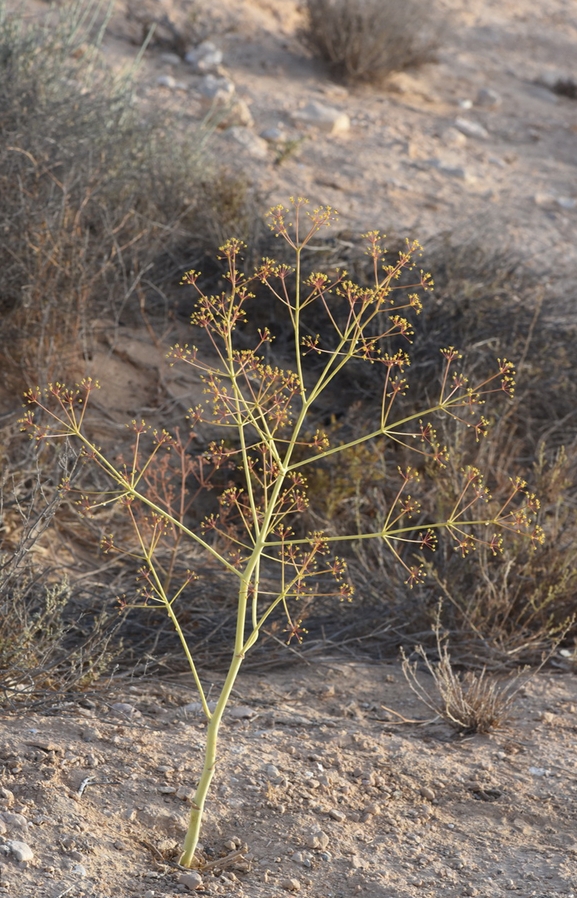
268	444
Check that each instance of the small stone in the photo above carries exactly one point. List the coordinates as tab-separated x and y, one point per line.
185	793
427	793
215	93
256	147
465	104
271	771
291	885
123	709
566	202
325	118
21	851
545	200
242	712
356	862
120	846
273	135
79	870
167	790
91	735
337	815
166	845
230	845
239	115
204	59
76	855
488	98
6	797
166	81
318	840
452	137
471	129
170	58
149	893
455	171
191	881
14	820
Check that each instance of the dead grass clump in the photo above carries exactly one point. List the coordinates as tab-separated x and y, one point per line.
366	40
474	702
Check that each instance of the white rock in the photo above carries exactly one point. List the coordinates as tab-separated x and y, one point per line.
185	793
291	885
20	850
337	815
6	797
166	81
12	819
566	202
452	137
191	881
489	98
79	870
471	129
465	104
196	707
318	839
452	170
325	118
215	91
239	114
243	712
205	58
123	709
545	200
273	135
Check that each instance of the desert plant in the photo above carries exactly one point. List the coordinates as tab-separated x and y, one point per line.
366	40
101	205
49	640
265	416
471	702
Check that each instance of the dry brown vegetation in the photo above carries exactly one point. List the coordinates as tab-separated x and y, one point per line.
101	210
366	40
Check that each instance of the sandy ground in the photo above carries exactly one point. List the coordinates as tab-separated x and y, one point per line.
332	795
320	786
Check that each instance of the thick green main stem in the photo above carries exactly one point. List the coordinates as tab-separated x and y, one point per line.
196	814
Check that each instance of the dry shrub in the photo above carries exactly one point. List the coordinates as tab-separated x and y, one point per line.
51	637
366	40
471	703
504	609
100	208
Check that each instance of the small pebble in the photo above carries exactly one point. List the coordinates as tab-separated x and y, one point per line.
123	709
337	815
242	712
291	885
166	81
317	839
149	894
6	797
20	850
79	870
427	793
191	881
185	793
